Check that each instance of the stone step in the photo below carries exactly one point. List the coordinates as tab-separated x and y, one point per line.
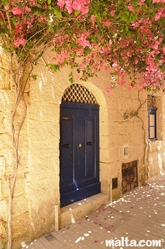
80	209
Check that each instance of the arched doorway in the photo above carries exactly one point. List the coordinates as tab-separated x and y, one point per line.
79	145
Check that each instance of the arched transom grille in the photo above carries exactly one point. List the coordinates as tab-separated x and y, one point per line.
79	94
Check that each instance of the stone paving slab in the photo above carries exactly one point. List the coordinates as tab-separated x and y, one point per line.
138	215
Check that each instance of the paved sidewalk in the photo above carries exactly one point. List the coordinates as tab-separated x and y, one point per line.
138	215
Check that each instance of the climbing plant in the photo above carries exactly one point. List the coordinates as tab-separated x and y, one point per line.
88	35
126	35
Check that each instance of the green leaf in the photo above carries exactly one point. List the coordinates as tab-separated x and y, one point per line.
3	31
49	2
133	17
125	16
87	51
34	77
71	78
40	1
8	49
57	13
77	12
5	2
54	67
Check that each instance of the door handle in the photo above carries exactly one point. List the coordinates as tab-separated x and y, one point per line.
66	145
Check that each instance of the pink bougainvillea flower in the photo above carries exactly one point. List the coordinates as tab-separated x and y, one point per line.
93	18
29	23
83	41
141	2
158	1
77	5
108	90
114	64
86	2
18	28
6	7
69	7
44	6
61	3
85	10
109	227
32	2
50	70
107	23
19	42
17	11
96	241
163	50
27	9
130	7
43	19
112	13
101	210
157	16
129	87
136	61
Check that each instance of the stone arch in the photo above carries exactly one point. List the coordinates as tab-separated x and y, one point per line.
99	96
78	94
78	211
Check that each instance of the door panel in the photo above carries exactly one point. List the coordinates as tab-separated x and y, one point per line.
66	149
89	171
89	148
79	152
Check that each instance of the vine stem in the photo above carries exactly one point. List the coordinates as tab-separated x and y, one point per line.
145	143
13	177
20	73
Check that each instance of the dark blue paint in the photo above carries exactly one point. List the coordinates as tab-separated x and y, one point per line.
75	183
79	152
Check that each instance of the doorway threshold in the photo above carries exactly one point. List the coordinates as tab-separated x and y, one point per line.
78	210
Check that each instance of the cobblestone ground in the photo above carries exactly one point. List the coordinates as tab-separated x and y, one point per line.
138	215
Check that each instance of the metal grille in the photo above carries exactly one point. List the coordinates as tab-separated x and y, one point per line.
79	94
129	176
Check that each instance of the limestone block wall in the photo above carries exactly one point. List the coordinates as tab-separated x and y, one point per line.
156	158
127	130
20	218
156	149
43	155
37	189
21	224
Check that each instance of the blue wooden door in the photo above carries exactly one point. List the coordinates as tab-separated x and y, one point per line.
79	152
